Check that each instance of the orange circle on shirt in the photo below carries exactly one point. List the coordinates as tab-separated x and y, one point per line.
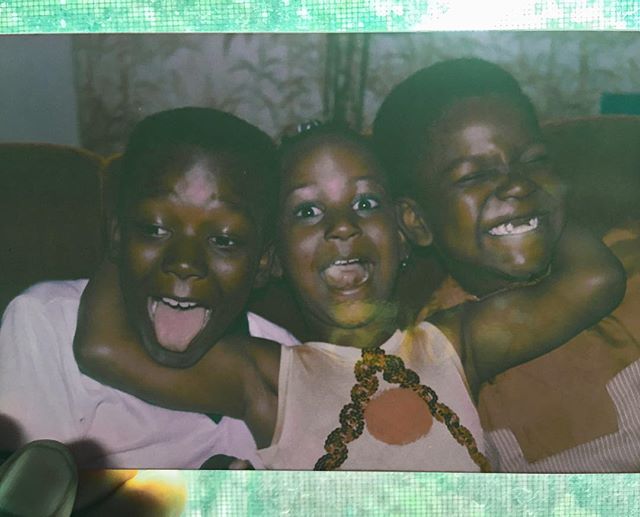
398	416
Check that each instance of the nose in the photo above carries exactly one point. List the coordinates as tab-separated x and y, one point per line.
342	226
514	184
185	259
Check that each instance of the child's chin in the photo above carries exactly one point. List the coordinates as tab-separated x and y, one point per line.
526	272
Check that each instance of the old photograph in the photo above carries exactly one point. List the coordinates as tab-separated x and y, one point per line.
382	252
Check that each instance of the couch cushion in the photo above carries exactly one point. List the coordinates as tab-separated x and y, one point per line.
50	215
599	158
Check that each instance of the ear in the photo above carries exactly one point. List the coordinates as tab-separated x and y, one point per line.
412	222
265	267
115	239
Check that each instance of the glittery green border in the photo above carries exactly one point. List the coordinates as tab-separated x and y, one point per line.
33	16
411	494
351	494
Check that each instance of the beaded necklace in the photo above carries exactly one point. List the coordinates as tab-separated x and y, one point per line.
375	360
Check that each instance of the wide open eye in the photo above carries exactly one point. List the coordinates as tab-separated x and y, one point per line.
223	241
366	202
307	211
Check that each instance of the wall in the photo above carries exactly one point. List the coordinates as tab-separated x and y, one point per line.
563	72
270	80
37	90
276	80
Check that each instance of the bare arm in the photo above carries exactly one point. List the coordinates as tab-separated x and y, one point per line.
223	381
586	282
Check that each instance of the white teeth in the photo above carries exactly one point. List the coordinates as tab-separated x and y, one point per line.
175	303
346	262
154	306
169	301
510	229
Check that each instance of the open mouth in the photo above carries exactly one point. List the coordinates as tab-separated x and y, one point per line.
516	227
347	274
176	322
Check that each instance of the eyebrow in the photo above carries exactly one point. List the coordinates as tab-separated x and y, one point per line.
452	165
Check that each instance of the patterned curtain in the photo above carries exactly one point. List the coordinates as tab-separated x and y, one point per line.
347	61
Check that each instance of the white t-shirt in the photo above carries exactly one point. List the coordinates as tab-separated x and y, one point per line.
43	394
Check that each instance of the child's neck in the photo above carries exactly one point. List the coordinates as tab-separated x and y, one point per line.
479	283
362	337
375	332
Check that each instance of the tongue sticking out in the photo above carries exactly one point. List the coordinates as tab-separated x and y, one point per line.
176	328
346	276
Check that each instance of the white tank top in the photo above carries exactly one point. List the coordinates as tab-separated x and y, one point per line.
315	382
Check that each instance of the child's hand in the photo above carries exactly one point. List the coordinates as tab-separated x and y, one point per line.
41	479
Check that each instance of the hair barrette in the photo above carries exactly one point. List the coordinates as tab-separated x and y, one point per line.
307	126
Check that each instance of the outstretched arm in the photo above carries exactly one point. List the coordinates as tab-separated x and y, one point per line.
108	350
585	283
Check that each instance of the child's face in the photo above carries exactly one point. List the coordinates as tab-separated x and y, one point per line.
491	199
189	247
339	242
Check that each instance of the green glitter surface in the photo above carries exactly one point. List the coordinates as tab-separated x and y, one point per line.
354	494
29	16
410	494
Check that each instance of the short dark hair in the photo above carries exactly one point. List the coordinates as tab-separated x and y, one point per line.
211	131
418	102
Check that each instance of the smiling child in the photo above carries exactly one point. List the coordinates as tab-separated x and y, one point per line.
340	245
192	232
473	157
190	238
463	141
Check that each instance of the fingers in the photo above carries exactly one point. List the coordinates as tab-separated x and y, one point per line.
147	494
96	485
38	480
237	464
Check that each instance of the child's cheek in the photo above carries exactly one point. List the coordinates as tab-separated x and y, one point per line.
234	272
303	250
558	190
140	259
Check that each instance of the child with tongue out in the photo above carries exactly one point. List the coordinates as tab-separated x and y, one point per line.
190	239
363	394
